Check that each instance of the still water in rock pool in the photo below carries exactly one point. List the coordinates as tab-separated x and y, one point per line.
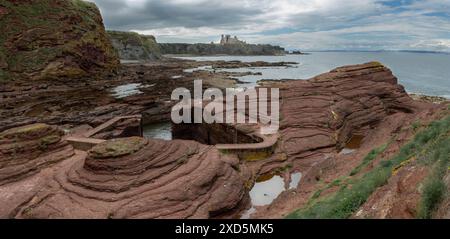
123	91
267	188
295	180
126	90
158	131
263	193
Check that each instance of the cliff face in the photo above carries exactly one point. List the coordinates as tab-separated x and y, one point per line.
132	46
49	39
215	49
334	106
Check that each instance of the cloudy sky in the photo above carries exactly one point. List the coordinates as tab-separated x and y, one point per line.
293	24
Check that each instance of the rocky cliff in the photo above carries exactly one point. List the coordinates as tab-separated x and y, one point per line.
354	135
42	176
53	39
132	46
145	178
216	49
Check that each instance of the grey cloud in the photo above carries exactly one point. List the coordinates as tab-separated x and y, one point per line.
329	24
163	14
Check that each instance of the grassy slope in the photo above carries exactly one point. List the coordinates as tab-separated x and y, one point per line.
60	28
434	189
433	143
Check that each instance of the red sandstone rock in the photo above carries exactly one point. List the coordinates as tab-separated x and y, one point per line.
28	149
399	198
319	116
326	111
140	178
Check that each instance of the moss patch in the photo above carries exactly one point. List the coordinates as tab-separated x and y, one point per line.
25	130
36	34
117	147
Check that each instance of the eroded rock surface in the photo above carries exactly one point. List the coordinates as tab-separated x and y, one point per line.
92	102
140	178
26	150
322	114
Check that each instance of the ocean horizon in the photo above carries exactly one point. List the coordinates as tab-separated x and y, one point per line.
425	73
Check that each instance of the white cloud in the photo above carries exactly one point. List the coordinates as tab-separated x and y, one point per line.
303	24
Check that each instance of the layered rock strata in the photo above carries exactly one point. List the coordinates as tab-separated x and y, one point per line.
140	178
26	150
324	113
53	39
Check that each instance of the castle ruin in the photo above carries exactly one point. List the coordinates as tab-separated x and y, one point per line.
228	40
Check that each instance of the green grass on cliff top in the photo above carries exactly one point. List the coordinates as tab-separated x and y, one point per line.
52	18
148	42
434	189
351	196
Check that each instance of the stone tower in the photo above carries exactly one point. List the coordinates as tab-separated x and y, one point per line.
228	40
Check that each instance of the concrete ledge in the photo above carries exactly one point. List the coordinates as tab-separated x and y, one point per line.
252	152
84	144
268	141
108	124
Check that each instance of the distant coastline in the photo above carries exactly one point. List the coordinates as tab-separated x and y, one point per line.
374	51
212	55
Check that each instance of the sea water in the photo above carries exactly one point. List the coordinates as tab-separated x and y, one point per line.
423	73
